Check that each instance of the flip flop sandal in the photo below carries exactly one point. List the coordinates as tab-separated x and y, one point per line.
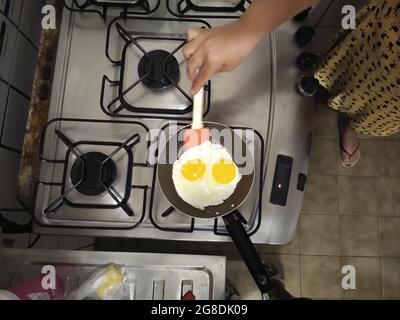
350	155
343	149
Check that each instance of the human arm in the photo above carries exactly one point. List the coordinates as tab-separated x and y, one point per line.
223	48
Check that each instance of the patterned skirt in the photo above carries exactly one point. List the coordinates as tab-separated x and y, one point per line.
362	70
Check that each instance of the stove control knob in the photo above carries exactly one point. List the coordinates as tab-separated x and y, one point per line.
302	15
304	35
308	86
306	61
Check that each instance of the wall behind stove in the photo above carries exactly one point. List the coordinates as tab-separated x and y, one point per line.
20	27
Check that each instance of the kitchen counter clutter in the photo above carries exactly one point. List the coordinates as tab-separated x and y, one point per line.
110	275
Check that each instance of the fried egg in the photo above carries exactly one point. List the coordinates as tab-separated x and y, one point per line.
205	175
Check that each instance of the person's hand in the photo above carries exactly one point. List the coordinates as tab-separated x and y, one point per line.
219	49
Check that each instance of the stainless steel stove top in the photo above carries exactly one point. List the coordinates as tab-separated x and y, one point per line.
103	112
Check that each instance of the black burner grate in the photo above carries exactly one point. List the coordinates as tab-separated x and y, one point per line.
138	7
157	69
192	9
93	173
81	181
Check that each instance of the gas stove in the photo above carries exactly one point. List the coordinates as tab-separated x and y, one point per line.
120	86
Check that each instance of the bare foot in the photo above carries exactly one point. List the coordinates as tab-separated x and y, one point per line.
349	143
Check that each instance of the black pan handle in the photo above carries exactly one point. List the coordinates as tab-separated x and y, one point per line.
248	252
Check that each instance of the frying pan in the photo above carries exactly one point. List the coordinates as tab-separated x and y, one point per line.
238	148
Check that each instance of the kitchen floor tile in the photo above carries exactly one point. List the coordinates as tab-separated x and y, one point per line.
289	269
368	278
388	157
325	122
368	137
390	236
368	164
237	272
389	196
395	136
233	255
358	195
360	236
391	278
320	277
321	195
320	234
323	156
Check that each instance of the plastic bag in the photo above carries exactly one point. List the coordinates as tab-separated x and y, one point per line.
105	283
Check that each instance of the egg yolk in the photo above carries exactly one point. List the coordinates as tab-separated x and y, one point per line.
224	172
193	170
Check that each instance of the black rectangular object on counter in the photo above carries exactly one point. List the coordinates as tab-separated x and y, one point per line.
280	185
301	182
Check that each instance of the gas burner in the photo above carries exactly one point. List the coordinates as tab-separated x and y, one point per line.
159	69
149	62
93	173
101	7
220	9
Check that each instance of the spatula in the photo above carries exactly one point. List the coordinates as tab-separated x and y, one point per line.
197	134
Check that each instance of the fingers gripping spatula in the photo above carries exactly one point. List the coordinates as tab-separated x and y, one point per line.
198	133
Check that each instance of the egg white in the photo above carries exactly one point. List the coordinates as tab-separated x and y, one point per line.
205	191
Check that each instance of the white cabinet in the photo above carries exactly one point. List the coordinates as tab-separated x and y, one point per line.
9	169
8	36
15	120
